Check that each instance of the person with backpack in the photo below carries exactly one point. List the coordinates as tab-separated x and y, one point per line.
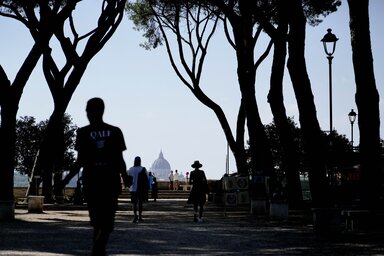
139	188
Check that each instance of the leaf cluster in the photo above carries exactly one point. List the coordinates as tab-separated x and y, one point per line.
30	134
339	149
150	15
314	9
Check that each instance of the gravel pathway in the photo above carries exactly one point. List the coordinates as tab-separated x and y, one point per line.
168	229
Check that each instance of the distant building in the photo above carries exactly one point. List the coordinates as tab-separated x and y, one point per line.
161	168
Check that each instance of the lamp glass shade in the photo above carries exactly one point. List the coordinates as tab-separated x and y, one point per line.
352	116
329	42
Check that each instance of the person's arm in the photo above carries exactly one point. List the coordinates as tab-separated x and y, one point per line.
191	178
75	168
124	172
121	163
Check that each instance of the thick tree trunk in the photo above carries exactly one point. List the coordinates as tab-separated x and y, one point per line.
7	142
312	137
10	98
275	98
52	149
367	101
53	155
261	157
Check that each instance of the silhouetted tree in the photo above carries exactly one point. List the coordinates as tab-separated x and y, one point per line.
63	81
41	30
45	19
313	140
168	17
29	135
290	156
339	157
367	101
191	25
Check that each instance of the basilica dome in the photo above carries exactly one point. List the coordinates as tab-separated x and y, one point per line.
161	167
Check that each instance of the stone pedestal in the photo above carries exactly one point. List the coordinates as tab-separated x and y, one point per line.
278	209
7	210
326	220
259	207
35	204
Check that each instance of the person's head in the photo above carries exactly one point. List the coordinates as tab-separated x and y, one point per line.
196	164
137	161
95	110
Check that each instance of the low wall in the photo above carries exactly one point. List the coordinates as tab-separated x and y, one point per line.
164	185
19	192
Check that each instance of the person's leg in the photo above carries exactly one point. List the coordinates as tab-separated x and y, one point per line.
134	201
105	211
201	210
195	208
140	209
100	240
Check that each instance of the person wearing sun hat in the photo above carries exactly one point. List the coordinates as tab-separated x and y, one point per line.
197	196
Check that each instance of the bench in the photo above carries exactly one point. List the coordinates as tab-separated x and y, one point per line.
186	187
351	215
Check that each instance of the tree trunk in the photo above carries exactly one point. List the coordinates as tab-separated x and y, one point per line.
261	157
53	150
7	142
367	101
10	98
275	98
312	138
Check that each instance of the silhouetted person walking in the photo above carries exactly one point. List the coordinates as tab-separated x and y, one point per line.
100	149
171	178
139	188
153	186
197	196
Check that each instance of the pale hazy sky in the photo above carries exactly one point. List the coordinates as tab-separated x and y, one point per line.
156	112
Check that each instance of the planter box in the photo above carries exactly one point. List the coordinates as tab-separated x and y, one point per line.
278	209
259	207
35	204
326	220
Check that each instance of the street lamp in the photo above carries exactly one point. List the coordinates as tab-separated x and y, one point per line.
329	42
352	118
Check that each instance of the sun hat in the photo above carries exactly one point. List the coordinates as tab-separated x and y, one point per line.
196	164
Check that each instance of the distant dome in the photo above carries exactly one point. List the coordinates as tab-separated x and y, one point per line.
161	167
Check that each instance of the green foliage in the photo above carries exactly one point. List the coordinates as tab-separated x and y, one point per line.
143	18
19	8
339	150
277	149
29	135
313	9
151	16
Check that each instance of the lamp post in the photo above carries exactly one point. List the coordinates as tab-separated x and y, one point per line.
329	42
352	118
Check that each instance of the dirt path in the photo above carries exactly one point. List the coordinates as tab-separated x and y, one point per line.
169	229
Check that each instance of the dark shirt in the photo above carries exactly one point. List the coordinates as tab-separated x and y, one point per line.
199	187
100	153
